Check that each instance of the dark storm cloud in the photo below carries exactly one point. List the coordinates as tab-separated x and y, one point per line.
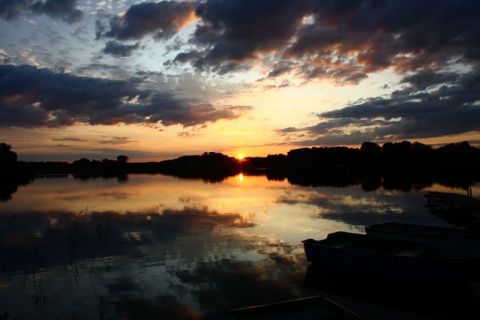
435	104
65	10
187	56
428	78
162	19
281	68
115	48
170	112
406	35
235	31
343	40
11	9
31	97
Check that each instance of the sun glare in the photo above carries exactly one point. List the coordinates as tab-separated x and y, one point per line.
240	157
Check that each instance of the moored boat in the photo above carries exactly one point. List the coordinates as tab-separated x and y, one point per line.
425	233
413	298
394	257
315	307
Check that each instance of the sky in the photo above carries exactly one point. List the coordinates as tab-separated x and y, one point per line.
158	80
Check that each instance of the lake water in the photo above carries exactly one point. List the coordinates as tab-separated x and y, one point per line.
159	247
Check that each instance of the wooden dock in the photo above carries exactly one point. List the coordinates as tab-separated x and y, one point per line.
459	210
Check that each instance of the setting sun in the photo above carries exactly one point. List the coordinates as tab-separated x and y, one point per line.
240	157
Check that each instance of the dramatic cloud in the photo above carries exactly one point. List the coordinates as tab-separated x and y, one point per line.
162	19
115	48
32	97
343	40
235	32
376	35
434	104
65	10
11	9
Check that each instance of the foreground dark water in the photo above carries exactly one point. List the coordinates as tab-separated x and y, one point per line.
154	246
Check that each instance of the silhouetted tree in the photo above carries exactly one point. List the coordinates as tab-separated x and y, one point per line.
82	162
420	147
398	153
7	156
371	152
276	159
423	153
122	159
323	156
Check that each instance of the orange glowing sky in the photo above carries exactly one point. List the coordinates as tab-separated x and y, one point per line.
158	80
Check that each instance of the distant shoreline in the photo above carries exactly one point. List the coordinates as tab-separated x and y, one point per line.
413	163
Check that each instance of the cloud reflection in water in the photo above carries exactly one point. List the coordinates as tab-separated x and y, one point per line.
182	248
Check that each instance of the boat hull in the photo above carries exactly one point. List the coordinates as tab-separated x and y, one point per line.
434	298
316	307
393	257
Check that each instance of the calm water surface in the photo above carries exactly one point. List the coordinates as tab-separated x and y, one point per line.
155	245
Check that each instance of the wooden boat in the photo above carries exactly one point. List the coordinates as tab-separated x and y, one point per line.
316	307
394	257
425	233
421	298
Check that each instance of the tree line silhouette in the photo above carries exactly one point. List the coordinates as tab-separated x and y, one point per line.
369	155
398	165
